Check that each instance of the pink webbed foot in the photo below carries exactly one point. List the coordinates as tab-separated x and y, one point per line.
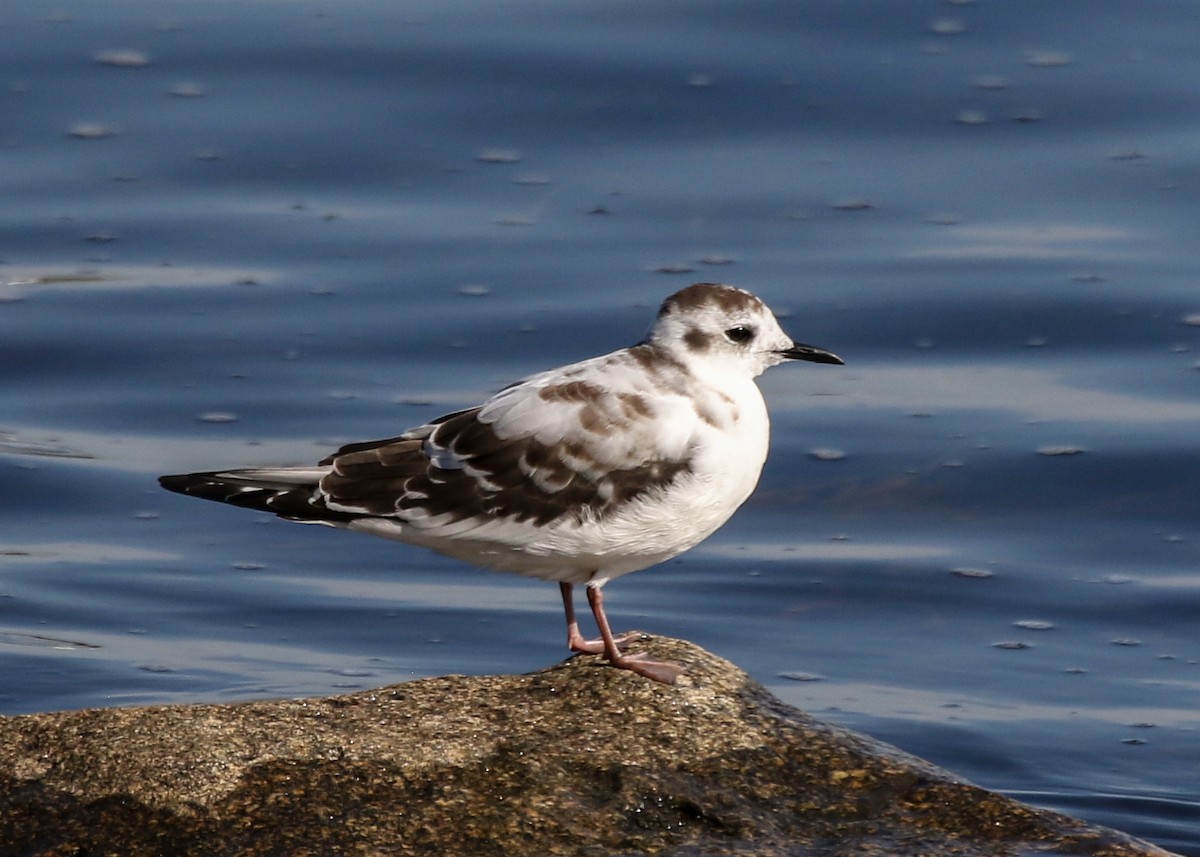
576	643
613	647
640	663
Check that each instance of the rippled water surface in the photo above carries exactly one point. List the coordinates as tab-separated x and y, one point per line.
242	233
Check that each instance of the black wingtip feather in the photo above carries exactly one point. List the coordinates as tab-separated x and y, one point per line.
178	483
210	486
294	505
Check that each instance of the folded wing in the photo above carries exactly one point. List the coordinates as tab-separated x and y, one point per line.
554	447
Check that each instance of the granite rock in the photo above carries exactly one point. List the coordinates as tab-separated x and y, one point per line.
577	759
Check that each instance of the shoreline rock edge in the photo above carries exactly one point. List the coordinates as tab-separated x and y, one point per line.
576	759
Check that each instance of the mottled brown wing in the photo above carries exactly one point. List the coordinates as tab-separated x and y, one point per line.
458	468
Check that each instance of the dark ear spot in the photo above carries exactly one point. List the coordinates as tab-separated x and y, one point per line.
696	339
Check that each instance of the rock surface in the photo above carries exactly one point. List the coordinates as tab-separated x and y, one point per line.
578	759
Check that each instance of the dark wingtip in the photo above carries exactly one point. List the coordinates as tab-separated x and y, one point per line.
178	483
207	486
295	503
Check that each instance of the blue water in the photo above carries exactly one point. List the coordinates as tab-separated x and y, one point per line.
237	234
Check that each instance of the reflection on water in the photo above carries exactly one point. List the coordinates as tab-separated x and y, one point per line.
1059	393
85	553
1025	241
11	639
988	712
825	552
244	234
20	282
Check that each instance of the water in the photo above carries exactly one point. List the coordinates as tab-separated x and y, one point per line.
258	230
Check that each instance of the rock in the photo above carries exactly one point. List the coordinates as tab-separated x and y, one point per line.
578	759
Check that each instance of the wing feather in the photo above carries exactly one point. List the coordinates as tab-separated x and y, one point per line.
559	446
554	446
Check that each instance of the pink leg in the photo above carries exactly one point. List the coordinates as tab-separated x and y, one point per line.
639	663
575	640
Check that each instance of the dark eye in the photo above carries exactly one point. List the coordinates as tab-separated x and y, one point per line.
739	334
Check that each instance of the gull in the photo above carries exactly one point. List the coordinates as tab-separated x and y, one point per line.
575	475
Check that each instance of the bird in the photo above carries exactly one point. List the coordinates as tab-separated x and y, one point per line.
575	475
